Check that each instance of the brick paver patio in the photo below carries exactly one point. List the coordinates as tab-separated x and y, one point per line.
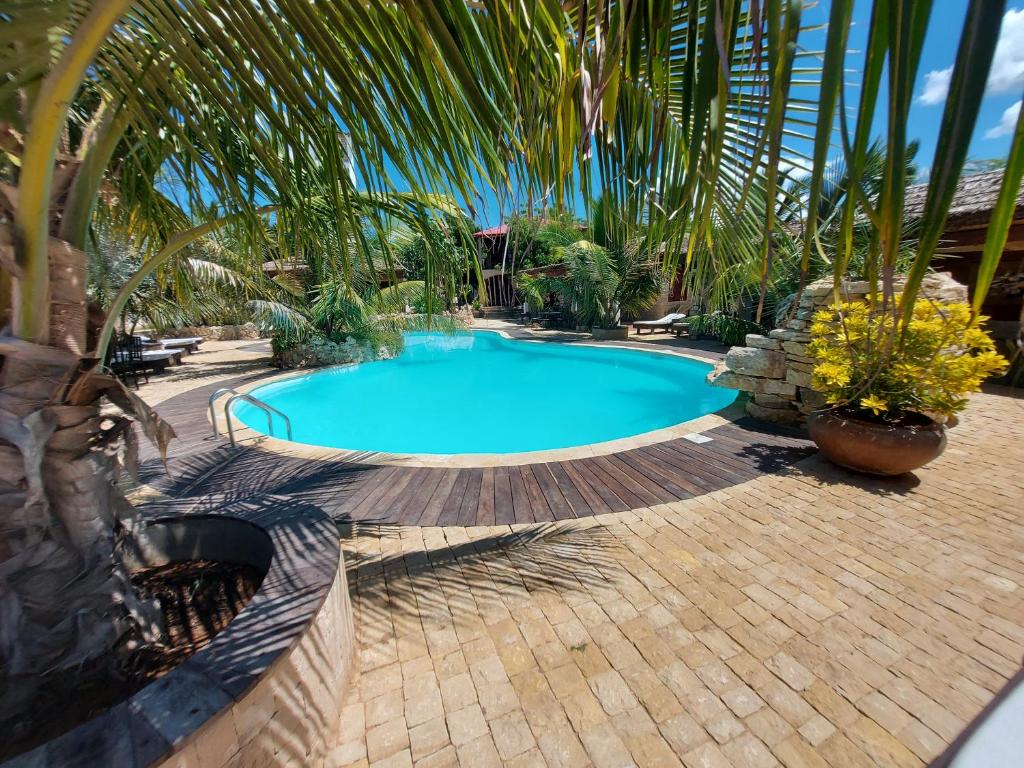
804	618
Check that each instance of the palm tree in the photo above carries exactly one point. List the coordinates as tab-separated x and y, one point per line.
599	279
106	101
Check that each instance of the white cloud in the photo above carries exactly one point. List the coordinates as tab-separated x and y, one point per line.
1008	64
1007	123
1007	72
936	86
797	168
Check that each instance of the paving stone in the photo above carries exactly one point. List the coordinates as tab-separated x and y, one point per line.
479	752
386	739
613	693
443	758
466	724
511	735
458	692
795	674
427	738
683	733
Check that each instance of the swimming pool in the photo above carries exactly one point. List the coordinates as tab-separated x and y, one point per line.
480	392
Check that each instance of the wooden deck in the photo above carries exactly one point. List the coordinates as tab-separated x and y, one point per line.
353	491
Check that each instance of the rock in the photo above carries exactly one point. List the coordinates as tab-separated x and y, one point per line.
798	377
776	387
751	361
818	288
788	334
727	379
796	365
941	286
761	342
788	416
795	348
773	401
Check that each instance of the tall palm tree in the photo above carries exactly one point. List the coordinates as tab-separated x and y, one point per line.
102	103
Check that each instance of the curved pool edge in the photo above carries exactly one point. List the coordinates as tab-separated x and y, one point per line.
248	436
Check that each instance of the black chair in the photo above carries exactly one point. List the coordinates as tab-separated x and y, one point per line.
125	361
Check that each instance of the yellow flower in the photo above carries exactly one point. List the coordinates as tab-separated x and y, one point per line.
874	403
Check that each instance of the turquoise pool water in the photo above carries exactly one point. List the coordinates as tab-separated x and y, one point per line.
482	393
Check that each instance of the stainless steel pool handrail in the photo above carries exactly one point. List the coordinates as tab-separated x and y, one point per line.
267	409
213	413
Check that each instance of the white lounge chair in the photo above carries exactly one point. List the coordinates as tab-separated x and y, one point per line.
189	343
663	323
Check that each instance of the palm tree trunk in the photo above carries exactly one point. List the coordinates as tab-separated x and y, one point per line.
65	596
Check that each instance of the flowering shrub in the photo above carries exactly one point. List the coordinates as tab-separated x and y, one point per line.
870	360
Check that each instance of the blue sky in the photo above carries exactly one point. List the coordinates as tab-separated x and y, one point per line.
1003	95
999	107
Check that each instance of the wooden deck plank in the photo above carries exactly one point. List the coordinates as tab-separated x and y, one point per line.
703	468
453	504
367	485
715	453
504	509
485	505
468	513
560	508
608	496
602	475
388	505
580	507
593	499
435	505
539	508
629	477
669	478
417	503
521	505
367	508
407	506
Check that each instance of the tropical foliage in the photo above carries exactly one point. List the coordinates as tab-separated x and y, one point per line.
536	240
599	284
942	355
296	128
728	329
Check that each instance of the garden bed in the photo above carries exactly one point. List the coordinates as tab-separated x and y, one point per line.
269	683
198	598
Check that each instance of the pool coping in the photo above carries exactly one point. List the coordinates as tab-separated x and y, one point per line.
244	435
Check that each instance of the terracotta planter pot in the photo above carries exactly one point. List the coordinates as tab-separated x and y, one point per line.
610	334
878	449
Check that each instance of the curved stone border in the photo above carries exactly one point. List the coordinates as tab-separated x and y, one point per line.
268	689
246	435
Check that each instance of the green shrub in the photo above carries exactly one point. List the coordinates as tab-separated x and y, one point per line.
725	328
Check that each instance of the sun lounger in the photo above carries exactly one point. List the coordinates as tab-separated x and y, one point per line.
662	324
189	343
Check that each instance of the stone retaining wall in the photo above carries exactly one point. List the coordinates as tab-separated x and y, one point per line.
775	369
217	332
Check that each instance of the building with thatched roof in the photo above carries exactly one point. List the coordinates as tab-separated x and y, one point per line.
964	239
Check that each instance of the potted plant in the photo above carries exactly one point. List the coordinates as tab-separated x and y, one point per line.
892	384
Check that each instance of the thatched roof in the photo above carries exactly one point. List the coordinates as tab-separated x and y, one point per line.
972	204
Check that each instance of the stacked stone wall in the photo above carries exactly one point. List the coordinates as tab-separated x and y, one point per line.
776	369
